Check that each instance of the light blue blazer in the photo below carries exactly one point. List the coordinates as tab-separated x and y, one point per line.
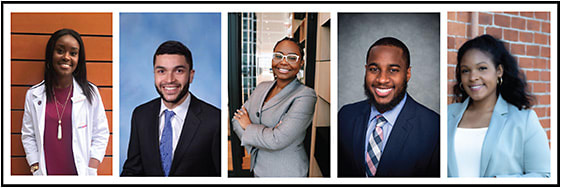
515	144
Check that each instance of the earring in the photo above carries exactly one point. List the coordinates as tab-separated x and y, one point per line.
461	86
500	81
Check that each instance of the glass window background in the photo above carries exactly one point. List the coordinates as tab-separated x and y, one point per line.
260	33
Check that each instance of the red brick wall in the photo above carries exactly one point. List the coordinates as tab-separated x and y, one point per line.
525	34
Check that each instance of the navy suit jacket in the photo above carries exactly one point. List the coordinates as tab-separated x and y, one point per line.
198	148
412	149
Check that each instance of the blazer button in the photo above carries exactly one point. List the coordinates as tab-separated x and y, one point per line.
257	113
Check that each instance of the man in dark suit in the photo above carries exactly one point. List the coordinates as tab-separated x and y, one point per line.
175	134
389	134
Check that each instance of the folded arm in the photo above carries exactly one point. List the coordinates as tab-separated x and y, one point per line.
293	124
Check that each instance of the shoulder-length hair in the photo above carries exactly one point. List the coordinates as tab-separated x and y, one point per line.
80	72
513	86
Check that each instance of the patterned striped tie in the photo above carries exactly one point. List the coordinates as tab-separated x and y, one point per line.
374	151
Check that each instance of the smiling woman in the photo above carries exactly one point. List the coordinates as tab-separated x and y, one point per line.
64	129
494	112
272	123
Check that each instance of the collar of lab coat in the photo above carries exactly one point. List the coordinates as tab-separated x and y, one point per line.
77	94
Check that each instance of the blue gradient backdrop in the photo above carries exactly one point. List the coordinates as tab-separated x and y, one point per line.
140	35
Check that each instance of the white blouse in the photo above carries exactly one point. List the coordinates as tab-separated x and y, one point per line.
467	145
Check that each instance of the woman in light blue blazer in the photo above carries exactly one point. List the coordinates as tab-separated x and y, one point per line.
272	123
492	131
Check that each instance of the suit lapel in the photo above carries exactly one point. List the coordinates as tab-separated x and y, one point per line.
496	126
398	136
153	131
279	96
40	104
190	127
79	101
263	97
455	117
359	136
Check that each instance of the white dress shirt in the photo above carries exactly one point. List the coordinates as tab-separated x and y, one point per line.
176	121
468	144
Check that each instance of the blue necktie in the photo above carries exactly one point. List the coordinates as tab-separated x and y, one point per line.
166	143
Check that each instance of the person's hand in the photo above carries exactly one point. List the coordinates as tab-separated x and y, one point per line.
34	169
94	163
92	167
242	117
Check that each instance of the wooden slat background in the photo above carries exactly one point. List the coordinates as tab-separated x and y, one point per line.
29	35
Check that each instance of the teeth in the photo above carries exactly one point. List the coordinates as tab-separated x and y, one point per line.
476	87
383	90
170	88
283	70
65	65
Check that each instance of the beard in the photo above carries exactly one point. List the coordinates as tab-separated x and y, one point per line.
385	107
182	94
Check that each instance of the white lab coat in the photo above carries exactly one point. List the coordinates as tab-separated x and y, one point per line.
90	131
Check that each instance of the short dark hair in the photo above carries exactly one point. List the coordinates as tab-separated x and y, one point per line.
390	41
174	47
513	87
300	45
80	74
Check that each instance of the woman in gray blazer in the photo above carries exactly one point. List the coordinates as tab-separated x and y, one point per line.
273	121
492	131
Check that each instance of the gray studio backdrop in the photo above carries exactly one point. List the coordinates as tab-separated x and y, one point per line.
419	32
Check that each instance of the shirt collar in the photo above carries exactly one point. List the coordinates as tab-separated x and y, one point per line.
180	111
391	115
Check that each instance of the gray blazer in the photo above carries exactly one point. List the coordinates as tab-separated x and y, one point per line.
278	152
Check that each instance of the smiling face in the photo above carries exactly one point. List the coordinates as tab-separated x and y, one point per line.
386	77
283	69
479	75
172	78
65	55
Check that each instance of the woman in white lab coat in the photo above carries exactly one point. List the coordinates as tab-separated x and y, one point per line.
64	128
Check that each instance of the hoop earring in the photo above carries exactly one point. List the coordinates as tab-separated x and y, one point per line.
500	81
461	86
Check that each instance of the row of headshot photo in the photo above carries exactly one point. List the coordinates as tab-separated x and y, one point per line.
279	79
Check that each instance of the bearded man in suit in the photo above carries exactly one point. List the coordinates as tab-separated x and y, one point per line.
176	134
389	134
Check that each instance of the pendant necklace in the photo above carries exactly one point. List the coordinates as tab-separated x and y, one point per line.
59	115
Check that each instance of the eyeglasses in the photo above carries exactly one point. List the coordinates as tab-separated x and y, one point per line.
290	58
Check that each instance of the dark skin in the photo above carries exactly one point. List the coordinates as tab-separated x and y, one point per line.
479	80
386	74
65	61
285	73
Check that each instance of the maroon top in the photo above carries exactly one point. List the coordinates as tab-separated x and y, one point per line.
59	157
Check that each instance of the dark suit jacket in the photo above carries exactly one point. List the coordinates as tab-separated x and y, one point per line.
198	148
412	149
